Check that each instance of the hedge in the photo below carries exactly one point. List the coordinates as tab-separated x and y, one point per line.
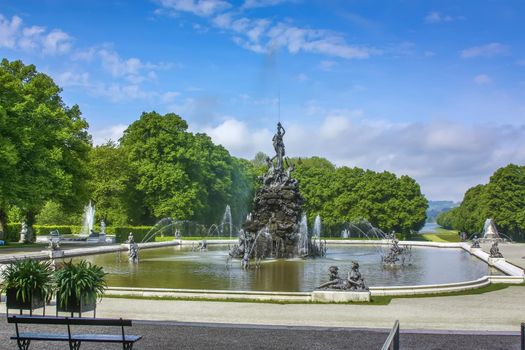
139	233
121	232
12	233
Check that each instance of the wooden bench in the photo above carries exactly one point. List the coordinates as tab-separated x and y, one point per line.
23	339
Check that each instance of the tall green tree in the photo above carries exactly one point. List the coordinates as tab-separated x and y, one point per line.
112	186
45	143
180	174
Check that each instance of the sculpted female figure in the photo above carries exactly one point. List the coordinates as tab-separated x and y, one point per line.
278	145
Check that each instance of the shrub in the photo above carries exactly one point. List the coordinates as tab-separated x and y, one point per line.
139	233
82	280
28	276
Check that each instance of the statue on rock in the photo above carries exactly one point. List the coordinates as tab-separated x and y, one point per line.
272	228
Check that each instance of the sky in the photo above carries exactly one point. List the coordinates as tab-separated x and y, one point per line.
431	89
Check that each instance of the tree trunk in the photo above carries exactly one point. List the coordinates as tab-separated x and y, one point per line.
3	224
30	221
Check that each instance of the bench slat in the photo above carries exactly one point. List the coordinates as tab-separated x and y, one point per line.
68	320
93	338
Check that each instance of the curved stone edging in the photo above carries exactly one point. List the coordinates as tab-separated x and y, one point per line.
513	274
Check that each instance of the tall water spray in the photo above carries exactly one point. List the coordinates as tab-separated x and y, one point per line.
317	228
302	244
227	221
88	219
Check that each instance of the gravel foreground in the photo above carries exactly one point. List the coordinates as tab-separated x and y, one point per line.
173	335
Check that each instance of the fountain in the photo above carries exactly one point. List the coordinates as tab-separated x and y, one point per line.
227	221
88	219
396	254
275	222
490	232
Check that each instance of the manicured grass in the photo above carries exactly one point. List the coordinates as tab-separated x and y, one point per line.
378	300
385	300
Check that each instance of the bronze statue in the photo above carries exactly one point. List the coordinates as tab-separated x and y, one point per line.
278	145
494	251
354	281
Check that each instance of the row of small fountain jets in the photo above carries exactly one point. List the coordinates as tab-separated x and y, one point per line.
390	254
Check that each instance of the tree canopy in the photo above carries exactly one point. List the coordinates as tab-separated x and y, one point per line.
502	199
43	143
341	195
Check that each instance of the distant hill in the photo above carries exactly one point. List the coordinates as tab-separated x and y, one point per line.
437	207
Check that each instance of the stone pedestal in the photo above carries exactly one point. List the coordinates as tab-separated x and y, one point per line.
54	254
328	296
102	238
493	261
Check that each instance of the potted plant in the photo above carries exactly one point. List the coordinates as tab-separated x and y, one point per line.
78	286
27	284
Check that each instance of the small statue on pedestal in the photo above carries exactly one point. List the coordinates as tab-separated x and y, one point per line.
475	243
494	251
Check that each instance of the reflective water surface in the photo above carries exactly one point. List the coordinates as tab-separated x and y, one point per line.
179	267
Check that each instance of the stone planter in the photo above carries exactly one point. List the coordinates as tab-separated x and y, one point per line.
76	305
35	301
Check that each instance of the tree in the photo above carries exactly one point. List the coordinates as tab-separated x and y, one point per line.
183	175
502	199
45	143
112	186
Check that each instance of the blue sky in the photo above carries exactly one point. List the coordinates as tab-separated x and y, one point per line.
432	89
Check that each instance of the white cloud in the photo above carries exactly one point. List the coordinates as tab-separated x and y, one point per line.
9	31
327	65
488	50
301	77
110	133
445	157
261	35
203	8
71	78
120	92
238	138
56	42
250	4
14	36
482	79
436	17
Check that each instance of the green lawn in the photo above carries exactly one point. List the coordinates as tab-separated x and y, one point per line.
377	300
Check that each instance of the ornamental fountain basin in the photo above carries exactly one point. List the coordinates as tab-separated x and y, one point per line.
179	267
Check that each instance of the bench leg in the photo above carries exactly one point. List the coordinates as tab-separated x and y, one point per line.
23	344
74	345
127	346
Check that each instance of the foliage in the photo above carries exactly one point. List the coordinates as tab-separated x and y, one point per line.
112	185
53	213
139	232
341	195
180	174
43	143
28	276
79	280
502	199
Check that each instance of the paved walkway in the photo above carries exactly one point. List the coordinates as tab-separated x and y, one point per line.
501	310
174	335
514	253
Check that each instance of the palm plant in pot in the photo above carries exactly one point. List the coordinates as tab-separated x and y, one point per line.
78	286
27	284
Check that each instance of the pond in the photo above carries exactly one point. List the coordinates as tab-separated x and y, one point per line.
180	267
